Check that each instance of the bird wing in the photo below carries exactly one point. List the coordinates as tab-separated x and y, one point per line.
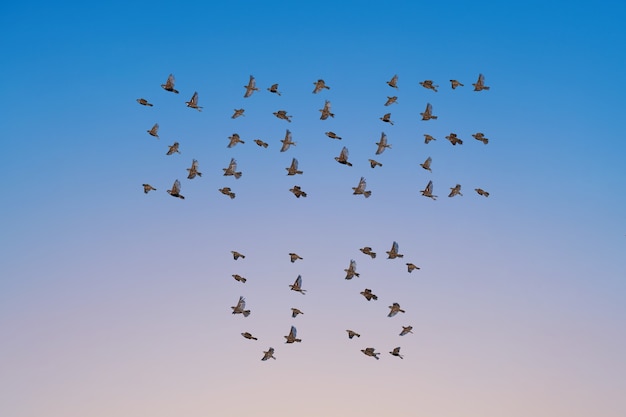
170	81
293	332
298	282
394	247
344	153
429	187
194	99
176	187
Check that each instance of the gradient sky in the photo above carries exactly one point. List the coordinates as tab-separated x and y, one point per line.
113	302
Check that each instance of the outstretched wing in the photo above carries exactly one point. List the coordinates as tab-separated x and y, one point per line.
344	153
176	187
352	265
170	81
298	282
293	332
294	164
232	165
429	187
362	184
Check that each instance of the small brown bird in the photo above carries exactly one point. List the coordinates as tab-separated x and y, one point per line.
360	189
352	333
295	312
282	114
169	84
237	255
393	252
428	138
294	257
456	190
395	309
237	113
351	271
154	131
287	142
368	251
147	188
333	135
293	168
240	308
343	157
370	352
297	191
406	330
233	140
232	167
481	137
193	171
454	139
479	85
455	84
396	352
326	111
391	100
426	164
386	118
374	163
239	278
393	82
291	337
248	336
268	354
367	293
193	103
428	113
173	149
144	102
261	143
274	89
428	191
482	192
250	88
175	191
428	84
319	86
382	144
227	191
411	267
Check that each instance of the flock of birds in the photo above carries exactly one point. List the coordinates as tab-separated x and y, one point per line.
292	170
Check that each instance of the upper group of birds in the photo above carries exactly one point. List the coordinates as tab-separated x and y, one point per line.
293	169
287	141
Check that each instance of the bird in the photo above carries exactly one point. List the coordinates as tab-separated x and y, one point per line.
326	111
426	164
297	285
261	143
382	144
240	308
291	337
406	330
282	114
395	308
154	131
393	82
237	113
239	278
294	257
333	135
367	293
368	251
295	312
147	188
481	137
193	171
352	333
428	138
428	113
351	271
193	103
319	86
455	190
396	352
250	88
411	267
482	192
287	142
455	84
248	336
479	85
274	89
343	157
374	163
232	167
144	102
386	118
360	189
297	191
454	139
370	352
169	84
393	252
428	191
237	255
428	84
233	140
391	100
175	191
293	168
173	149
227	191
268	354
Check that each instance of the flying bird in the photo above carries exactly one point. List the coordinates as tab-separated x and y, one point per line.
147	188
250	88
426	164
193	171
482	192
294	257
274	89
319	86
411	267
367	293
386	118
456	190
239	278
481	137
370	352
428	113
351	271
268	354
227	191
237	255
193	103
173	149
428	84
395	308
391	100
295	312
360	189
248	336
343	157
297	285
352	333
237	113
169	84
287	142
406	330
333	135
326	111
154	131
393	252
282	114
293	168
396	352
455	84
368	251
261	143
374	163
175	191
233	140
428	138
144	102
454	139
297	191
382	144
291	337
428	191
240	308
479	85
393	82
232	167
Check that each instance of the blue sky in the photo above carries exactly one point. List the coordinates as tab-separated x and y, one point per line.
113	301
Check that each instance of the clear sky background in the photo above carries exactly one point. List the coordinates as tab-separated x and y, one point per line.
113	302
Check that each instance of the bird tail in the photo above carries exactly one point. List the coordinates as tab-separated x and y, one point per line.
349	164
232	195
199	174
243	279
182	197
149	104
367	194
265	145
485	88
400	256
486	194
254	338
237	175
358	275
246	313
373	255
433	117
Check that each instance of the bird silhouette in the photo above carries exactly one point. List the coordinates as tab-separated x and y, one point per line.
233	140
352	333
455	84
428	138
319	86
293	168
351	271
395	309
428	84
297	191
374	163
426	164
231	170
154	131
368	251
282	114
343	157
479	85
297	285
227	191
147	188
396	352
370	352
248	336
386	118
454	139
237	255
261	143
382	144
393	82
406	330
428	113
456	190
367	293
193	171
333	135
239	278
291	337
287	142
360	189
294	257
295	312
481	137
169	84
326	111
393	252
274	89
144	102
428	191
173	149
250	88
411	267
237	113
391	100
268	354
193	103
175	191
240	308
482	192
